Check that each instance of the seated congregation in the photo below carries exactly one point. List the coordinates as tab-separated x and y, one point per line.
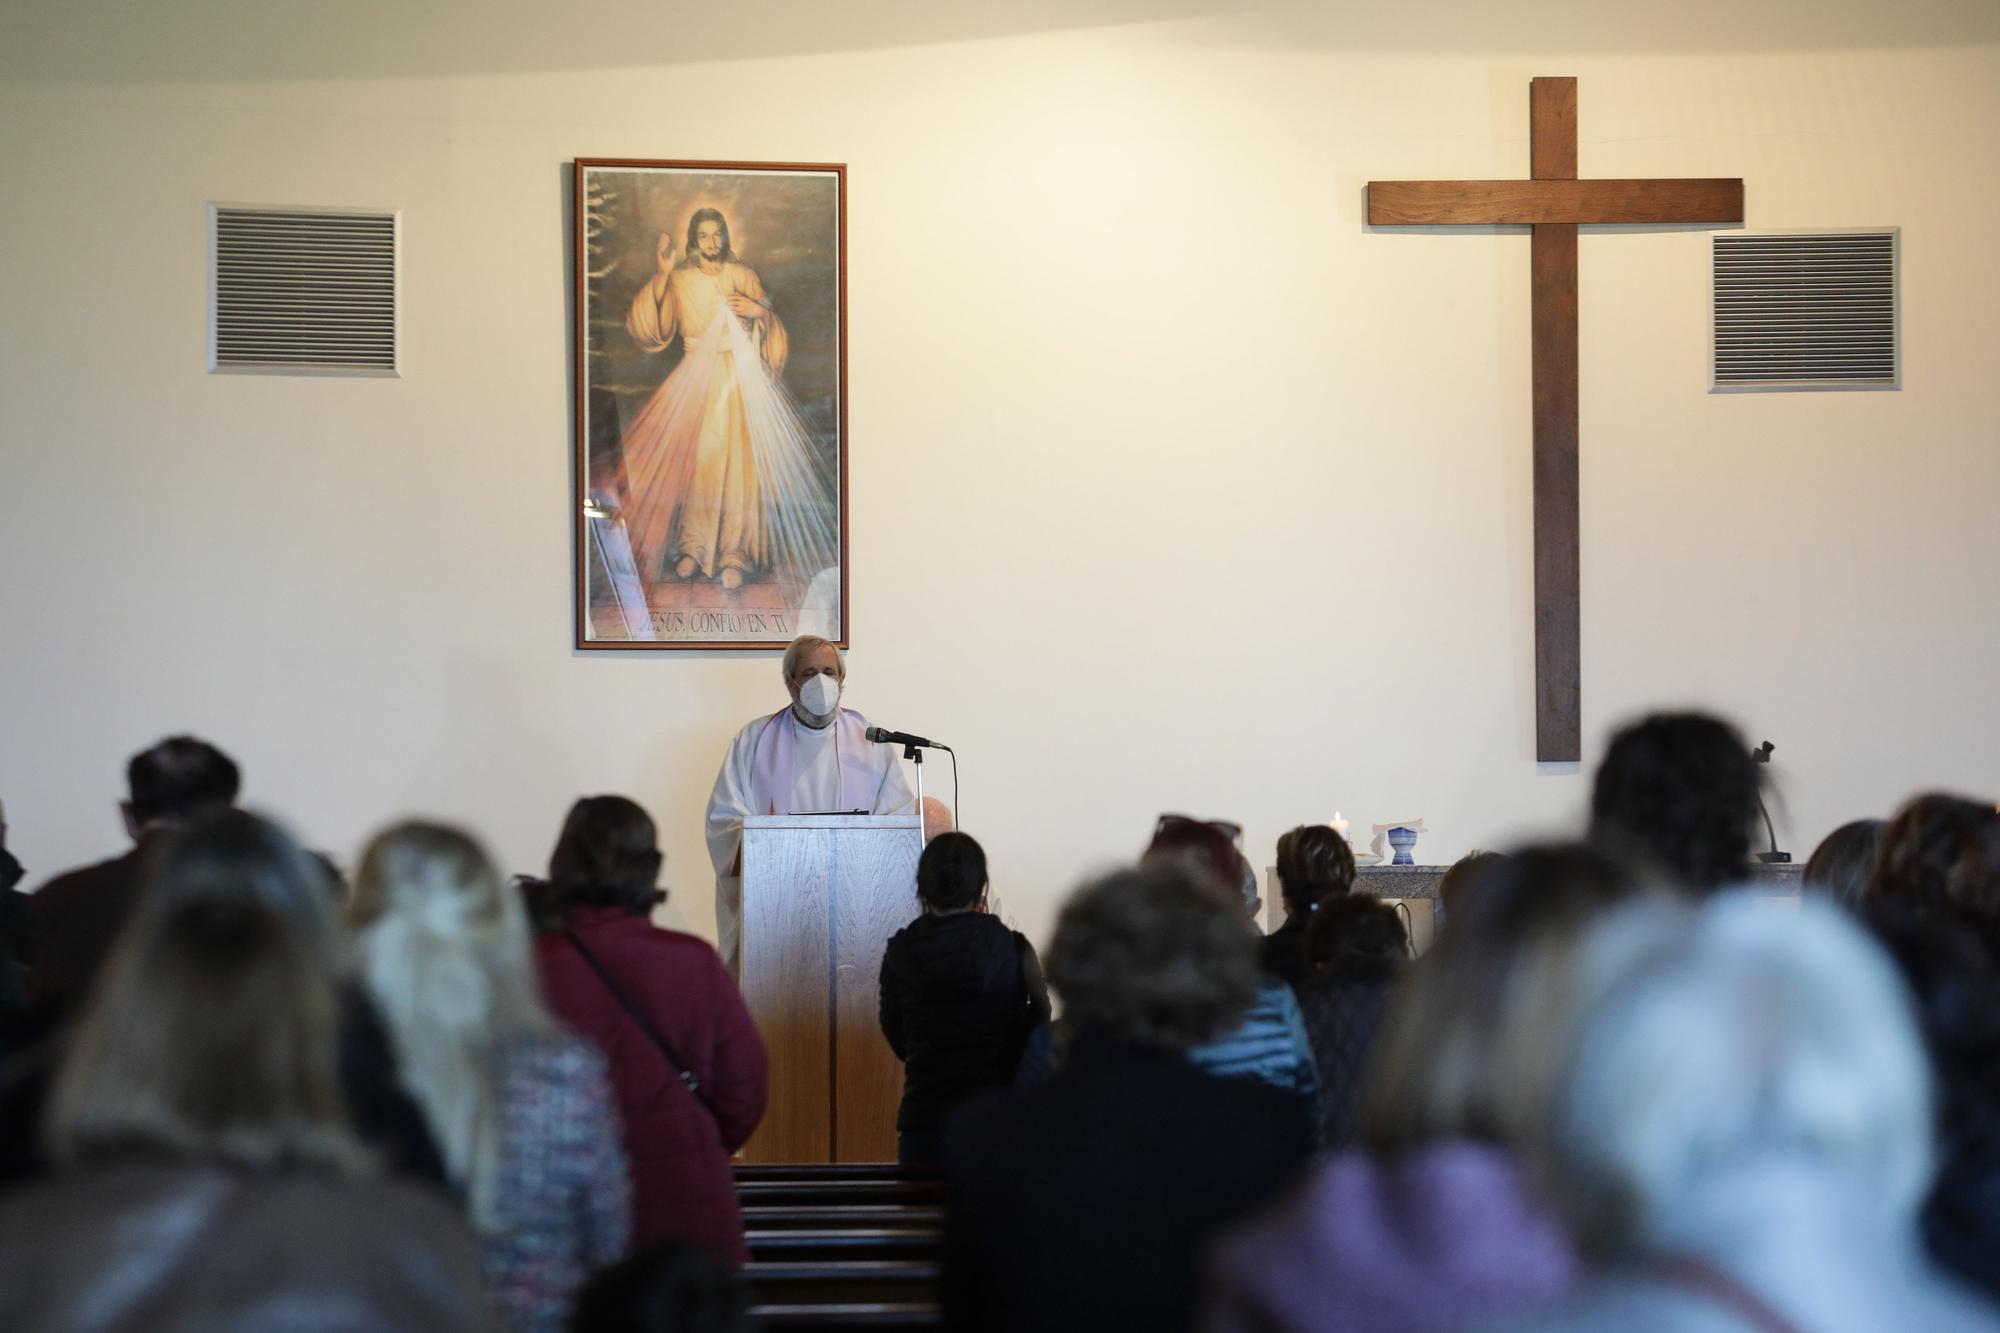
1623	1088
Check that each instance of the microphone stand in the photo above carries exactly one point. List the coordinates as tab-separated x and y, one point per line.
915	755
1774	857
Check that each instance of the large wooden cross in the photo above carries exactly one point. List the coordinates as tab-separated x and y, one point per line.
1554	202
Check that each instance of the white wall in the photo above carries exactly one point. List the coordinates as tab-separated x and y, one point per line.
1173	487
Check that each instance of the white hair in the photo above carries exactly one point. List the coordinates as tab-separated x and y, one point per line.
1709	1042
796	650
447	957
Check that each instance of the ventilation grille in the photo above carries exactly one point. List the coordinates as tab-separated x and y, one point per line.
299	290
1806	311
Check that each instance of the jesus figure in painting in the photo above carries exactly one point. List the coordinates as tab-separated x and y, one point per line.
719	480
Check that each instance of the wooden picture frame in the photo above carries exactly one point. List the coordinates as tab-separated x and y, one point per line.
710	457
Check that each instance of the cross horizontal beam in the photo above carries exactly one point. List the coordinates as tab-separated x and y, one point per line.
1459	203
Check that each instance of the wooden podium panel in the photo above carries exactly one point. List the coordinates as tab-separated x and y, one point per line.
876	897
821	896
786	978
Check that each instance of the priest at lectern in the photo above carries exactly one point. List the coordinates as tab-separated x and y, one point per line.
810	758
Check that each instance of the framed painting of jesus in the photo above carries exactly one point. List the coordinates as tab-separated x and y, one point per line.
711	403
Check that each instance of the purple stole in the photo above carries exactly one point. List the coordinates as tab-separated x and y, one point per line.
774	763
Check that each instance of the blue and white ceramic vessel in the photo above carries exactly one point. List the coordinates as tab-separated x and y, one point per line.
1403	839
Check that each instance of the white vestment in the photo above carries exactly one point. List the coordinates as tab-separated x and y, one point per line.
815	788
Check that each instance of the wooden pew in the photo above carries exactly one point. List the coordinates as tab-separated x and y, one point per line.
807	1217
808	1193
842	1246
807	1282
875	1242
848	1315
825	1171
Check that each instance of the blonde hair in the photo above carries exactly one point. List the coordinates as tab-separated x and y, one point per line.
446	955
1466	1049
797	649
214	1032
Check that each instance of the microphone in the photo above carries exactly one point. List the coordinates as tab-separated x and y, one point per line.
884	736
1762	755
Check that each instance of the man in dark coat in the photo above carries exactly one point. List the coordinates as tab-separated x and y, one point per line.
76	916
1086	1201
75	920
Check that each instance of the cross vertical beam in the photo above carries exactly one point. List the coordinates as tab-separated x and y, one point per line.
1553	203
1558	642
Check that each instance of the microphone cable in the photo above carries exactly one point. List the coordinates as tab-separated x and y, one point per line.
957	812
1409	928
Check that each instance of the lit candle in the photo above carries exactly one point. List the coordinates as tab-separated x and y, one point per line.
1340	826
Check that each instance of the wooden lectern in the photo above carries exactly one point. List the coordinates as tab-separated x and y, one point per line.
822	894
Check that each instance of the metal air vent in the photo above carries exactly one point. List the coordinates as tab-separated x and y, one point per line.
302	291
1806	310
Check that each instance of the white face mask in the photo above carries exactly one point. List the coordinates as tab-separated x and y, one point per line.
820	696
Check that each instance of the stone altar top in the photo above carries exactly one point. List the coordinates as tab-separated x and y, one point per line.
1387	881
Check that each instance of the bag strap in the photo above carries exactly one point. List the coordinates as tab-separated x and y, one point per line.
681	1071
1700	1278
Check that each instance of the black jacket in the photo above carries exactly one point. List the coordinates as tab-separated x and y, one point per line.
1087	1201
1961	1219
959	996
1343	1005
1283	953
17	950
76	918
386	1117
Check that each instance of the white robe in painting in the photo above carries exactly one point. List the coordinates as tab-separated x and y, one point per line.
796	770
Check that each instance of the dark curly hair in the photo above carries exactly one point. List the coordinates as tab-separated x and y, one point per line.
608	855
951	873
1314	864
1355	926
1940	854
1681	790
1951	978
1155	956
